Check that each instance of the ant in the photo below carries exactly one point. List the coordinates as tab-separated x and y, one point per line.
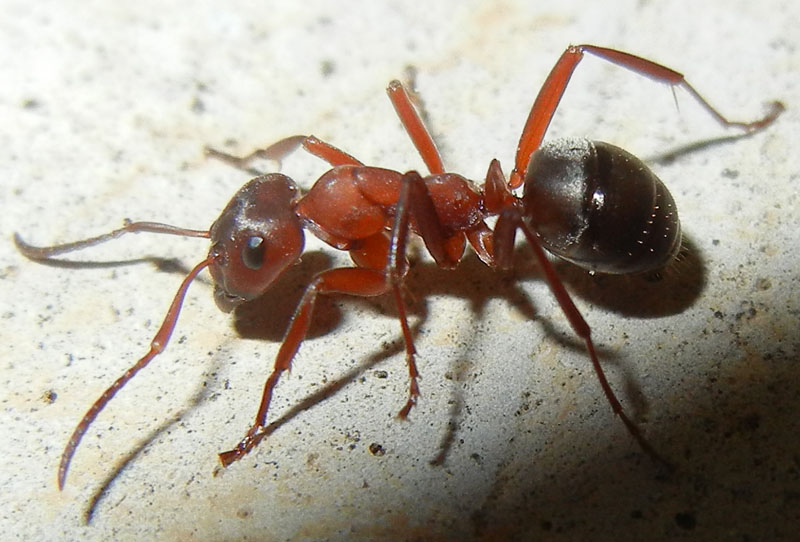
587	202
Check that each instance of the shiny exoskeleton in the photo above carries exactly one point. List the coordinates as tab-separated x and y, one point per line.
599	207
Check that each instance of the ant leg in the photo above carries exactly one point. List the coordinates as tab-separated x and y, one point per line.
411	352
157	345
415	200
388	254
283	148
397	267
414	126
505	228
333	155
275	153
550	94
348	280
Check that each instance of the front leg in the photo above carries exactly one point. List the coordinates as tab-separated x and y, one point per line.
347	280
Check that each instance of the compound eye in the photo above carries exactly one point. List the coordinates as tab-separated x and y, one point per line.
253	252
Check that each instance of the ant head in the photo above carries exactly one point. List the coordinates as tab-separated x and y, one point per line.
255	239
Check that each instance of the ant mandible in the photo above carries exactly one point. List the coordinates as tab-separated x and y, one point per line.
587	202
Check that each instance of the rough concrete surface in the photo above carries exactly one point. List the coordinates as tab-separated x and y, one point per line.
105	110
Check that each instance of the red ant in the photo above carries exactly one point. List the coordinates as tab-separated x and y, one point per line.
587	202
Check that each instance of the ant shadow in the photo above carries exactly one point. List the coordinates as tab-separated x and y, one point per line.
97	497
640	296
267	317
201	394
670	156
164	265
667	292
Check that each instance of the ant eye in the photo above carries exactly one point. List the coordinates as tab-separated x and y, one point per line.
253	253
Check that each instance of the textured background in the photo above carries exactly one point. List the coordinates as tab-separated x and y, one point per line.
105	110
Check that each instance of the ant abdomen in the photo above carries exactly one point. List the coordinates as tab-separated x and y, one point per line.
599	207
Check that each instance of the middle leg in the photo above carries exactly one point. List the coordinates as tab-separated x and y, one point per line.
279	150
